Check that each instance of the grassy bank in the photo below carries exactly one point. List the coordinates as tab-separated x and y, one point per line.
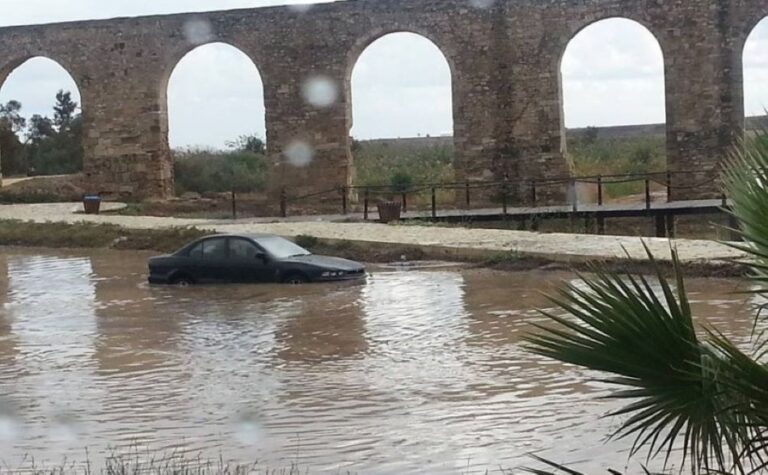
88	235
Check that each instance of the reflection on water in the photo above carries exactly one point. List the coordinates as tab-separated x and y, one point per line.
410	372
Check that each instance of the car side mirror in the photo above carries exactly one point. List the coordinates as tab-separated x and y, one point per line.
261	256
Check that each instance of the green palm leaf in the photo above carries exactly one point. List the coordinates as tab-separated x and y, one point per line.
706	396
679	391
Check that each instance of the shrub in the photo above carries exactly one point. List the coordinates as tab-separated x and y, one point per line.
200	171
375	162
400	182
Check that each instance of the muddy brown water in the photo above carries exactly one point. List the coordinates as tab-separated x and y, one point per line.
417	371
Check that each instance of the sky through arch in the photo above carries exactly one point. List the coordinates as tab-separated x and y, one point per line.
613	74
756	70
401	87
215	94
35	83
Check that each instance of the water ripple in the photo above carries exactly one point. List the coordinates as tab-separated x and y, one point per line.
412	372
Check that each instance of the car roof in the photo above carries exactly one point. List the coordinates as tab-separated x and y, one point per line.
254	236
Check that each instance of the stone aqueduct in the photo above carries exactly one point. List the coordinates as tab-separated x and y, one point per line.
504	56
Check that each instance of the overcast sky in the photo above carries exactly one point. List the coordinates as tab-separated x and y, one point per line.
612	75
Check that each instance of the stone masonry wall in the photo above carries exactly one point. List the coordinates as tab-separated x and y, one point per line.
504	56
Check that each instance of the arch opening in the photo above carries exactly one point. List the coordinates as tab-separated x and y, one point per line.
217	121
756	76
614	106
402	112
41	125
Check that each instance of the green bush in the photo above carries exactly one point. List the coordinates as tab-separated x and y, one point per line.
397	166
401	181
616	156
202	171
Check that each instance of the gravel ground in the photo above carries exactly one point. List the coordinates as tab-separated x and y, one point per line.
456	241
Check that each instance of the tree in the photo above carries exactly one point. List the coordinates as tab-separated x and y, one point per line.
683	387
11	148
40	128
10	116
64	110
590	135
54	146
248	143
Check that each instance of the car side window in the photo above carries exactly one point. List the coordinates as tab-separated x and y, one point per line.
215	249
197	251
242	249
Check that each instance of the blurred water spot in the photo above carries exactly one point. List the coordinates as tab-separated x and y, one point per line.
198	31
64	427
299	153
482	3
9	428
320	91
249	431
301	7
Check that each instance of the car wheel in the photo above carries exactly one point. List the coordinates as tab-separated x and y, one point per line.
182	281
295	279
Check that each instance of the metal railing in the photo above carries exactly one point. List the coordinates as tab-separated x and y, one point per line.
505	192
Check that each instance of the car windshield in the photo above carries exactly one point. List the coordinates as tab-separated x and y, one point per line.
281	248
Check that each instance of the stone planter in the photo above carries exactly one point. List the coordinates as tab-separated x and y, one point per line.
389	211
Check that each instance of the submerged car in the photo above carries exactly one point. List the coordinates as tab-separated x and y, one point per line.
248	259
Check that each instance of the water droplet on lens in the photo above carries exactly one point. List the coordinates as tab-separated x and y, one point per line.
299	153
320	91
198	31
64	427
300	7
482	3
9	428
248	430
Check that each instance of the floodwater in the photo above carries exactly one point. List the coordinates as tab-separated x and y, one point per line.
417	371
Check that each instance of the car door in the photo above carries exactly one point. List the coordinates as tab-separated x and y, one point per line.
212	266
246	262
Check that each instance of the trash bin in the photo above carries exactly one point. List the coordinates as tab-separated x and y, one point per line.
91	204
389	211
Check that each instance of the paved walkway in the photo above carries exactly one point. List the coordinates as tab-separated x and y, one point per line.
453	241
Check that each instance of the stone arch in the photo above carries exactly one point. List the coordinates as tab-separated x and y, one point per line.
175	55
9	66
745	52
64	69
584	28
578	27
362	45
231	48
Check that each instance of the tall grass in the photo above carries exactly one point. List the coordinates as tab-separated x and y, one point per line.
206	170
380	163
387	163
594	156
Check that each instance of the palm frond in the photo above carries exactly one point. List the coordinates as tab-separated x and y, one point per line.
706	396
745	178
648	343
